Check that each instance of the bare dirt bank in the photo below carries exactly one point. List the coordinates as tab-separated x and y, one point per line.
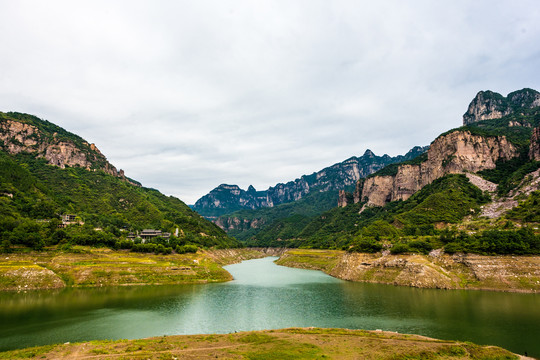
96	267
464	271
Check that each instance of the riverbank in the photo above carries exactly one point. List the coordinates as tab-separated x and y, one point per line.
96	267
294	343
441	271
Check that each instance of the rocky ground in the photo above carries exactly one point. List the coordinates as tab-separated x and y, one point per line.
105	267
460	271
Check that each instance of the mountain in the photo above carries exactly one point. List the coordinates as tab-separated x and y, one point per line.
489	105
46	171
456	152
226	199
477	172
23	133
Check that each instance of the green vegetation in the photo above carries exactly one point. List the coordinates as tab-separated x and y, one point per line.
411	226
294	343
528	210
518	135
392	169
49	132
448	199
509	174
34	194
492	242
82	266
415	225
285	220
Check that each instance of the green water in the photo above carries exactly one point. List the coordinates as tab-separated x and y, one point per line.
266	296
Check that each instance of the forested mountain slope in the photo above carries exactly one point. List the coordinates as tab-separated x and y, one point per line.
429	202
46	172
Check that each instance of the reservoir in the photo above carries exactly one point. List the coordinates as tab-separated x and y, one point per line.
267	296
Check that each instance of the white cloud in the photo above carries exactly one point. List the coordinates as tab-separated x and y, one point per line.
212	92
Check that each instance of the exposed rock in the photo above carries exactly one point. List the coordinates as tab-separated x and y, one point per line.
443	271
482	184
345	198
534	149
226	199
501	205
456	152
19	137
491	105
235	223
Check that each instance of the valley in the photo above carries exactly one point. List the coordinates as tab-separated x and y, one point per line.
460	214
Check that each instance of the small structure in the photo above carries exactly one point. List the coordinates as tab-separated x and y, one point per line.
149	234
69	219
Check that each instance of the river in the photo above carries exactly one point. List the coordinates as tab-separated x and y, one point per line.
267	296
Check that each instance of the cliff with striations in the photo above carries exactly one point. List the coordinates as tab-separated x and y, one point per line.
489	105
22	133
456	152
226	199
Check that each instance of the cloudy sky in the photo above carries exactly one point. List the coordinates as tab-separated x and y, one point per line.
186	95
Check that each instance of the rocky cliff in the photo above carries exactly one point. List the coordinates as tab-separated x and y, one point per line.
21	133
534	148
455	152
491	105
226	199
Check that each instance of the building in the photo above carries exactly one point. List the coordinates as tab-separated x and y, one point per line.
149	234
69	219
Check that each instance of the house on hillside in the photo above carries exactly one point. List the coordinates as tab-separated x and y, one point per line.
149	234
69	219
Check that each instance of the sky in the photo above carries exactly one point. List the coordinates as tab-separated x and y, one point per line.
187	95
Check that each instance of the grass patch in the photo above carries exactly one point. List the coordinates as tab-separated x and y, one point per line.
295	343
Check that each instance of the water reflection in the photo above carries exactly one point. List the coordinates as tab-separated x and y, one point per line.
266	296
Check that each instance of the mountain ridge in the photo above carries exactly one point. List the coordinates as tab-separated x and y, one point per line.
226	198
488	105
437	194
46	172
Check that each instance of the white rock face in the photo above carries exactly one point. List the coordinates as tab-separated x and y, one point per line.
489	105
454	153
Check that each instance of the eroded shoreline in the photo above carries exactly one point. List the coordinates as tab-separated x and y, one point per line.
104	267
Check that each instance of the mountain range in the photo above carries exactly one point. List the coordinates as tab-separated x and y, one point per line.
226	199
467	176
474	188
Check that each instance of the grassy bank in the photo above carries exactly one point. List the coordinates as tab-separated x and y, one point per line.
295	343
501	273
86	266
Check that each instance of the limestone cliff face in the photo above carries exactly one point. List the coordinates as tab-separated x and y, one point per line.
456	152
491	105
226	199
534	149
236	223
20	137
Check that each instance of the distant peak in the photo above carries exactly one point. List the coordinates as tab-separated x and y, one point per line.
369	153
228	187
488	105
251	189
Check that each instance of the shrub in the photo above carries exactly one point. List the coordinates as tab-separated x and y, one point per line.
186	249
421	246
368	245
399	248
